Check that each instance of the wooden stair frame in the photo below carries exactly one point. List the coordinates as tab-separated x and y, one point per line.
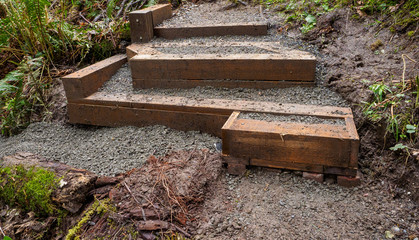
144	26
216	117
151	68
319	148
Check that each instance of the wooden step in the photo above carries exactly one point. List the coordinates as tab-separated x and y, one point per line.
321	148
206	115
142	22
255	29
273	70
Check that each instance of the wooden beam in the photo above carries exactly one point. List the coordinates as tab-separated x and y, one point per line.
139	48
293	66
160	13
123	116
275	143
211	106
141	23
88	80
211	30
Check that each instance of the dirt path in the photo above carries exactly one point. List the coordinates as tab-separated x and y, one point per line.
270	205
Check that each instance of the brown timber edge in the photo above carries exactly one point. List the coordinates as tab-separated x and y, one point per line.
179	112
265	67
143	21
320	148
112	116
211	30
88	80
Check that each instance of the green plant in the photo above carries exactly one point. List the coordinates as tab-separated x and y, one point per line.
393	105
29	189
310	23
22	90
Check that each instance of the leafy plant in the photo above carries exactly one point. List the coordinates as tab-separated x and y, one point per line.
22	90
309	24
391	105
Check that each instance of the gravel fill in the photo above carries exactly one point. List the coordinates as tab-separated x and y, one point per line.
191	14
208	49
291	118
121	82
102	150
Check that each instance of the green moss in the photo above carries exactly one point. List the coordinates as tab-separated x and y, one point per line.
411	33
29	189
97	208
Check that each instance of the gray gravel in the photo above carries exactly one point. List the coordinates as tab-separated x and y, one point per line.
211	49
191	14
121	82
291	118
105	151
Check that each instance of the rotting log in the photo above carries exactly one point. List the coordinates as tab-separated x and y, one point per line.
211	30
75	183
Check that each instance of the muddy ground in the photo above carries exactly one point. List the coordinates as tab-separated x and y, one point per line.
282	205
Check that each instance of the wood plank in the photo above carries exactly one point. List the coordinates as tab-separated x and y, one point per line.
211	30
211	106
122	116
160	13
321	144
349	171
226	137
137	48
351	127
294	67
160	83
141	22
287	165
88	80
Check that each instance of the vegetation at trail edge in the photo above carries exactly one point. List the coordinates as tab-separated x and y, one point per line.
400	16
39	39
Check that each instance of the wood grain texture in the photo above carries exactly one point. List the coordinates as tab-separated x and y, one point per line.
122	116
88	80
160	12
211	30
141	22
274	67
275	143
212	106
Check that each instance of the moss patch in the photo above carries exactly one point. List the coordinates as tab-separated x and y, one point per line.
97	208
29	189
